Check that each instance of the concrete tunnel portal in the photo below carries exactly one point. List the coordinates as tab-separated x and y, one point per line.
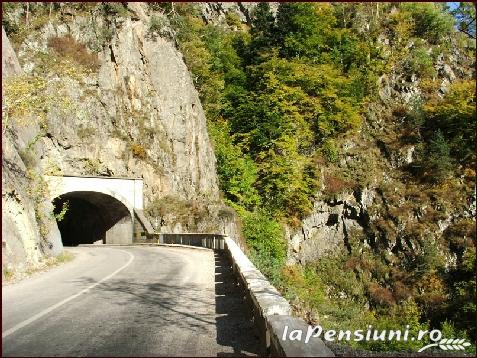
93	217
100	209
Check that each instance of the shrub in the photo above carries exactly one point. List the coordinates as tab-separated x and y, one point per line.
232	19
115	9
92	166
341	281
38	192
226	213
157	25
163	7
265	237
59	213
398	317
8	23
421	62
335	185
437	161
380	295
264	234
401	291
104	36
188	213
67	46
138	150
330	151
168	204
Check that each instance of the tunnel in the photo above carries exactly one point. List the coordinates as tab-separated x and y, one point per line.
92	218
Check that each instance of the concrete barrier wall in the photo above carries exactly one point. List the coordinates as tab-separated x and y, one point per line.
263	298
271	311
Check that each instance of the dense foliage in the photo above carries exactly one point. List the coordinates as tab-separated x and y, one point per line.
281	95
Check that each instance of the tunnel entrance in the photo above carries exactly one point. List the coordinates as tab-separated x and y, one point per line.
92	217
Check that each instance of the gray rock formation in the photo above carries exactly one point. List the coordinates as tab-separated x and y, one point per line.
329	226
141	111
10	64
215	12
132	112
21	229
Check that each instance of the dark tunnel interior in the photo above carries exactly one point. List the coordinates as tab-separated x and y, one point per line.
88	217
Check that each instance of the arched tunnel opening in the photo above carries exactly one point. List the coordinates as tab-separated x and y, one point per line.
92	218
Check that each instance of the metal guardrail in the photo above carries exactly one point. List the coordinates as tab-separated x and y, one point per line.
209	241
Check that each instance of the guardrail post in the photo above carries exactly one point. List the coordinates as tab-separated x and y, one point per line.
209	241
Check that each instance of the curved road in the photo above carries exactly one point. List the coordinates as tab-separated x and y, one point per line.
129	301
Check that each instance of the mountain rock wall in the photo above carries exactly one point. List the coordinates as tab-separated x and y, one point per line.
124	105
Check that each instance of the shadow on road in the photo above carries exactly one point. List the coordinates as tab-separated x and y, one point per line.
162	305
234	322
183	312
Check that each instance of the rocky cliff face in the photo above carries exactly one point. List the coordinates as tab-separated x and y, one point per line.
123	106
138	115
329	226
377	199
216	12
21	231
391	208
386	214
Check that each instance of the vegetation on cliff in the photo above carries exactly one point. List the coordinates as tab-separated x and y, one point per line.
283	94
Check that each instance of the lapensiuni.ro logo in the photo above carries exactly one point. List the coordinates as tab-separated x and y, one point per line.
370	334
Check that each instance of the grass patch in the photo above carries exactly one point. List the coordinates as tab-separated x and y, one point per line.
65	256
7	274
46	264
188	213
67	46
138	150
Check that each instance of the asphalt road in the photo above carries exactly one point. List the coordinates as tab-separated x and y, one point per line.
129	301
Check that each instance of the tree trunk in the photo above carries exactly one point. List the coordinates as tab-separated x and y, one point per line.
27	16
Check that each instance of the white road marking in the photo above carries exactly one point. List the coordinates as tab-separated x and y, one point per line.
55	306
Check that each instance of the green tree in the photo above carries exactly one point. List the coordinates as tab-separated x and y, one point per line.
455	116
262	32
430	20
465	15
284	182
304	29
237	172
437	161
461	308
